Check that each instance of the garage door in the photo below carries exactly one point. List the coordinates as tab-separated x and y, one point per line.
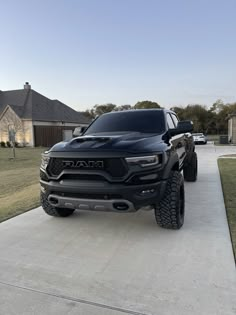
47	136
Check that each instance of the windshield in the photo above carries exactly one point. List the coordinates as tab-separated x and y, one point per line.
150	121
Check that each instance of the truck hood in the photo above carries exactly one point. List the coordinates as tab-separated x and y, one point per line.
120	142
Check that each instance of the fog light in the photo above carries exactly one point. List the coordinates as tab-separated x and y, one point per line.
147	191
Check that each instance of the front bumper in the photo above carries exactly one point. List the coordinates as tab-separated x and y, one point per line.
200	141
101	196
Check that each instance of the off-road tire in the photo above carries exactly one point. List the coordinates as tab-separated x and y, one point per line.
191	168
169	212
54	211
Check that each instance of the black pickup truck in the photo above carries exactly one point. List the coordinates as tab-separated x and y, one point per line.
122	162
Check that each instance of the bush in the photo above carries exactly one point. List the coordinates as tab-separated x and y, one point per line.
3	144
8	144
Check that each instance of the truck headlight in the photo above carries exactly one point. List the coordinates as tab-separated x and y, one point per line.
44	162
143	161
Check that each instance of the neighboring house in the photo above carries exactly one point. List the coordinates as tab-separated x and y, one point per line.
232	128
36	120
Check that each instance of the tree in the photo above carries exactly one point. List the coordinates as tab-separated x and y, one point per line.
123	107
180	111
10	121
11	126
209	121
221	117
217	106
146	105
98	110
198	114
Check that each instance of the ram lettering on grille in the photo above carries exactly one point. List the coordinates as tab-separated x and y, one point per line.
83	164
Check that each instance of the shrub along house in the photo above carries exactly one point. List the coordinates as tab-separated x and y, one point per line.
35	119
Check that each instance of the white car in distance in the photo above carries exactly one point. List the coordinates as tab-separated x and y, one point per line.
199	138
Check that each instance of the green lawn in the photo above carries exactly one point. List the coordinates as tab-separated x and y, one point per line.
227	169
19	181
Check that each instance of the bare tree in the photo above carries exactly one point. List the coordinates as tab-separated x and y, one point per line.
10	121
11	126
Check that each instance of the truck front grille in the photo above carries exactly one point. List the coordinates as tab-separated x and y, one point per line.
115	167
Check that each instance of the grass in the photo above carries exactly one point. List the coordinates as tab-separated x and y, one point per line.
19	184
227	169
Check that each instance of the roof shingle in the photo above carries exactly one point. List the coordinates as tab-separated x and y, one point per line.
29	104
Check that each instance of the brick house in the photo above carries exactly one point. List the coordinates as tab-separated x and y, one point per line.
37	120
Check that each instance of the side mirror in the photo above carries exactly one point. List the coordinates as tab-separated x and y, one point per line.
183	127
79	131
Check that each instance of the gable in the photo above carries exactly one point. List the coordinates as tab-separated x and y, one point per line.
15	97
9	119
29	104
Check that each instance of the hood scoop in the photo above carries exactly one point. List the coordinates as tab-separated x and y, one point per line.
89	142
93	138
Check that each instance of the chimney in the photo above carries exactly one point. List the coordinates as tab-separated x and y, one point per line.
27	86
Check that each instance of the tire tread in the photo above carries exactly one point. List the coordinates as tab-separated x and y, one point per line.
191	168
166	212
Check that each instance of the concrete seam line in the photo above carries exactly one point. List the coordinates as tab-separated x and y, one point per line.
77	300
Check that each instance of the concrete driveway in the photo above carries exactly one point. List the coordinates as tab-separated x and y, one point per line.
105	263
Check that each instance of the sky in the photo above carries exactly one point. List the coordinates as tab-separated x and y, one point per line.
87	52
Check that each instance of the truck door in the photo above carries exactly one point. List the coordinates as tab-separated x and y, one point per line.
178	141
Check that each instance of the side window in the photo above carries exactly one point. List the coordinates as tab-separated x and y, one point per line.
170	122
175	119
